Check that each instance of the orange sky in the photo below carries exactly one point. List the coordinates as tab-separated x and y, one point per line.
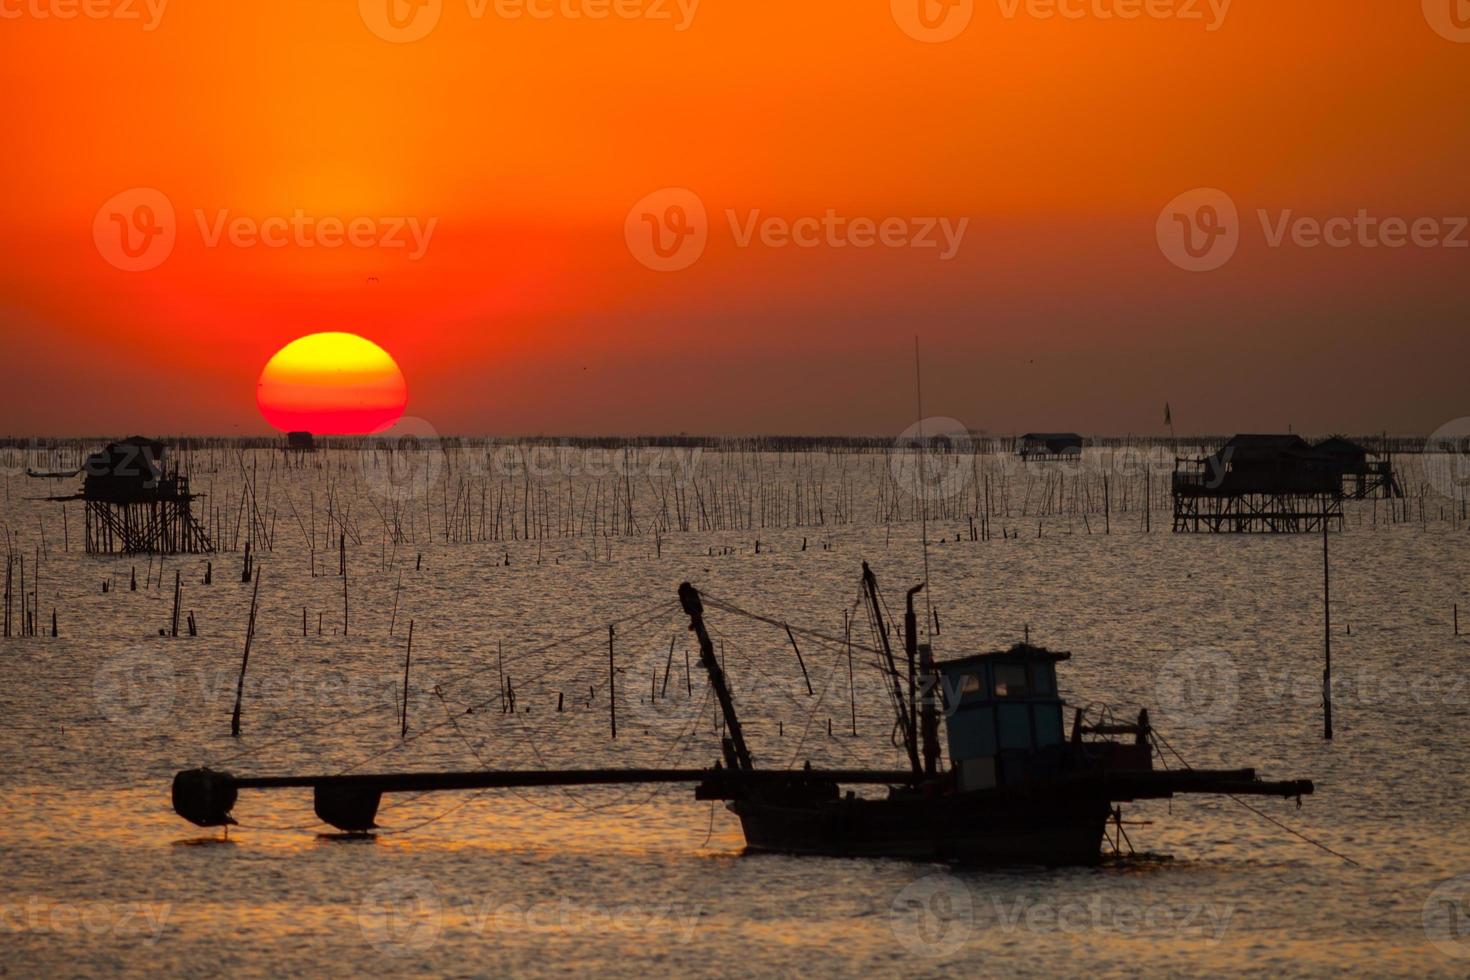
521	143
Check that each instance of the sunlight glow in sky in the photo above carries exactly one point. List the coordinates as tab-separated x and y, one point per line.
183	199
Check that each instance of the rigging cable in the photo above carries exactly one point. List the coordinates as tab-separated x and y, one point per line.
1264	816
464	676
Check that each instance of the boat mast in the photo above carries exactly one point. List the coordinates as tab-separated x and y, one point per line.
736	754
911	653
928	721
905	723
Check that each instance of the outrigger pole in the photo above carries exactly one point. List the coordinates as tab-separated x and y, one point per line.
205	797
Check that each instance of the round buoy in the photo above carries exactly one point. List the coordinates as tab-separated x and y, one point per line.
205	797
349	808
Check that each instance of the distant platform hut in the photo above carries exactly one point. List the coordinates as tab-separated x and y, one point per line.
1049	446
135	502
300	442
1274	484
1364	474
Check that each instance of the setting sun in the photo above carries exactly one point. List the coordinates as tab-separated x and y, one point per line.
331	384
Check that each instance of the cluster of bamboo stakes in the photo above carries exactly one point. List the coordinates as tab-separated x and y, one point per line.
26	620
460	491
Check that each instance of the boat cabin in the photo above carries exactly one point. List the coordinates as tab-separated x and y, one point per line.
1004	716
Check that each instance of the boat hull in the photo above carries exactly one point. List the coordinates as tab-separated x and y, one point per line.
982	828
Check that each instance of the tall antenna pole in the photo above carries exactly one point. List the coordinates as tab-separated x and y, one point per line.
923	502
1326	635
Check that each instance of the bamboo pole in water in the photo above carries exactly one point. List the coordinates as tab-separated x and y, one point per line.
612	683
178	595
244	661
407	658
1327	637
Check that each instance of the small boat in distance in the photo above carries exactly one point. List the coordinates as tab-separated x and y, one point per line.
1018	788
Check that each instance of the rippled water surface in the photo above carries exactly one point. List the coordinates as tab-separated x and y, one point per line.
1221	637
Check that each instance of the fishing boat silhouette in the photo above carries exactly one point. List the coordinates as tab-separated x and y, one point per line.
1017	787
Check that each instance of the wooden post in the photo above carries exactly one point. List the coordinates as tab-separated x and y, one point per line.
344	585
407	658
393	619
244	662
178	594
612	684
1326	637
668	665
500	672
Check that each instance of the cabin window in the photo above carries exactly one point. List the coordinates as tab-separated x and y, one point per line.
1015	726
1045	678
970	684
972	733
985	732
1048	725
1010	681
